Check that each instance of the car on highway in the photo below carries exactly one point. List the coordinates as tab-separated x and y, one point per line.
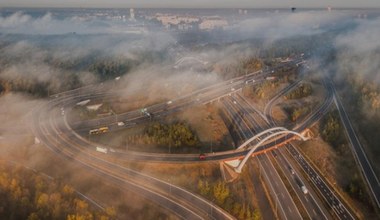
304	189
202	156
120	123
274	153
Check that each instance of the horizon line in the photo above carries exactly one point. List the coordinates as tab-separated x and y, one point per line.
96	7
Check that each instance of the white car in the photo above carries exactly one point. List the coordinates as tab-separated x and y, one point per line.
304	189
120	123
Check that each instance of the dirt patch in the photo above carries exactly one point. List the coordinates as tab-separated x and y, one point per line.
209	126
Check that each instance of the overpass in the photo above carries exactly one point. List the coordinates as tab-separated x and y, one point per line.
263	137
189	60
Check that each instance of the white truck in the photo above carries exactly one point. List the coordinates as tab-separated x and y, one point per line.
102	149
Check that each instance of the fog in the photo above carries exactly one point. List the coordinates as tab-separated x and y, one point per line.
361	49
57	54
274	26
41	56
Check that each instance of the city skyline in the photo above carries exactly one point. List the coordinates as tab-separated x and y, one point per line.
193	4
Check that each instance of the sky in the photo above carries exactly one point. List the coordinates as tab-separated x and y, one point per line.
194	3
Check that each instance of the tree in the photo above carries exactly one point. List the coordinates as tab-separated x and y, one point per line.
242	212
221	192
331	129
26	195
175	135
256	214
204	188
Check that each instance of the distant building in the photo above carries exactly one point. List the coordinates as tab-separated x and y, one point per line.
177	22
210	23
132	14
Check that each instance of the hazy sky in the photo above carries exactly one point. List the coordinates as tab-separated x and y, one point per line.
192	3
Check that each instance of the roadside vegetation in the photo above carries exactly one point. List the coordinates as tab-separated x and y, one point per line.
219	191
205	179
260	91
332	131
28	195
242	66
175	134
302	91
362	100
295	112
83	113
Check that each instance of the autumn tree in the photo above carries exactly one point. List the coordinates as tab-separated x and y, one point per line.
220	192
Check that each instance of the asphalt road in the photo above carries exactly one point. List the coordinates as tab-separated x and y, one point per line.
52	129
247	128
312	204
358	151
340	209
48	128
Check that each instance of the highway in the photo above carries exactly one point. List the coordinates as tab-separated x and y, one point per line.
273	101
184	204
358	151
247	128
201	96
55	132
311	203
339	208
52	129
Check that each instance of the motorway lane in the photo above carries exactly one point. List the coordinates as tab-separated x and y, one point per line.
107	169
52	143
282	199
315	203
194	157
53	140
310	201
332	200
235	83
162	109
203	96
280	193
313	210
358	151
338	208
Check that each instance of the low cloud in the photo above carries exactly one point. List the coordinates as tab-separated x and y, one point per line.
273	26
359	50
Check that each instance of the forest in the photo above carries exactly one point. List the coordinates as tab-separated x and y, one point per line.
175	134
29	195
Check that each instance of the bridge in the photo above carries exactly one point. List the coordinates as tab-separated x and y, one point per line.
261	137
188	59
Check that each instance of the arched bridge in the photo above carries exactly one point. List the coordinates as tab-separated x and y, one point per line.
263	137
